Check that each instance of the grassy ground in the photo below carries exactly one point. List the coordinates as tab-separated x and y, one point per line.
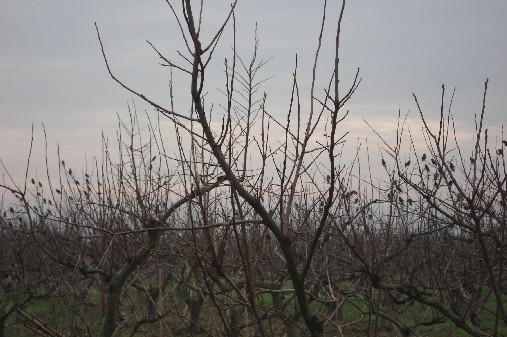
352	322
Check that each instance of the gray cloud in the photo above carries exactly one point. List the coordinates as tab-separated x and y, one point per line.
51	68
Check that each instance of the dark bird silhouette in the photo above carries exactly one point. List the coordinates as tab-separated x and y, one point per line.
451	166
151	223
383	162
33	181
423	157
407	163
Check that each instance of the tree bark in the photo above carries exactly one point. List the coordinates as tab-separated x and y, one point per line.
195	307
113	295
3	319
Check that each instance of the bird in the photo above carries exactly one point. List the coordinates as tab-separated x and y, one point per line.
407	163
33	181
383	162
423	157
451	166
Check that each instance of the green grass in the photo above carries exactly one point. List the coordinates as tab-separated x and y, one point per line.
353	323
57	315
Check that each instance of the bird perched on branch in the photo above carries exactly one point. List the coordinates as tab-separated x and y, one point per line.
153	227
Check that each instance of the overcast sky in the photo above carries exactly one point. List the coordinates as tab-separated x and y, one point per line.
52	72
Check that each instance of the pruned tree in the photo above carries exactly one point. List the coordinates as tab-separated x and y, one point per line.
24	275
458	229
301	157
253	224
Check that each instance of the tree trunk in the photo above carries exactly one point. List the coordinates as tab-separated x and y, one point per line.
113	298
289	321
110	319
152	300
195	307
291	328
3	319
236	315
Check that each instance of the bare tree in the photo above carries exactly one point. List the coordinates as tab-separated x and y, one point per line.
252	225
458	233
302	156
24	276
